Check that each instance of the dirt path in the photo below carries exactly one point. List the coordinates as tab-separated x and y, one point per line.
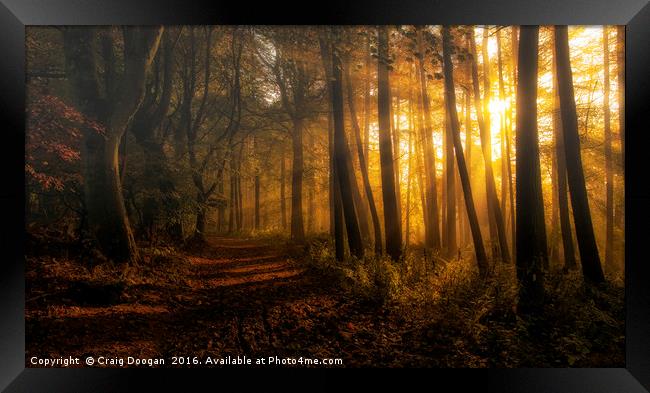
241	297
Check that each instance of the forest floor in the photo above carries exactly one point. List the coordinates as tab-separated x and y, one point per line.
233	297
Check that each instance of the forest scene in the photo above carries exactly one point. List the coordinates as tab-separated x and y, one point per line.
334	196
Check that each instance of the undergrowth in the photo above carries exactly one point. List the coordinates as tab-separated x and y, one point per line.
461	319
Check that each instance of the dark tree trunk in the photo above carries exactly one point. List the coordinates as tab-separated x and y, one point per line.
590	260
432	226
450	102
396	154
257	202
297	226
620	65
468	147
283	196
391	215
497	227
562	192
531	231
363	165
450	177
609	170
345	178
107	216
366	103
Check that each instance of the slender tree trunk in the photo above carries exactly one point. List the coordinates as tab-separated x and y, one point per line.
432	226
407	231
494	210
590	260
555	213
531	230
562	192
345	178
257	202
391	214
620	64
396	153
450	103
363	165
240	197
468	147
233	195
297	226
502	115
609	170
366	104
283	196
450	177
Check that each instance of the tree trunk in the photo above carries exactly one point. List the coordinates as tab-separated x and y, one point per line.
257	202
391	215
531	230
366	104
562	192
432	226
503	136
450	176
297	227
450	102
345	178
609	170
283	196
590	260
620	65
409	181
497	228
468	147
396	153
363	165
107	217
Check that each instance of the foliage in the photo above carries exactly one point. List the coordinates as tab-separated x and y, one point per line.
467	321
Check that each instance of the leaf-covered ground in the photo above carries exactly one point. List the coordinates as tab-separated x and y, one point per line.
260	299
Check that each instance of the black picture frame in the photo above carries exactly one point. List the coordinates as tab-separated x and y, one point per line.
15	15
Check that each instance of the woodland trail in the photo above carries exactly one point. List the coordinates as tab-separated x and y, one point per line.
240	297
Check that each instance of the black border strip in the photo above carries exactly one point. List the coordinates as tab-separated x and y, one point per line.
15	14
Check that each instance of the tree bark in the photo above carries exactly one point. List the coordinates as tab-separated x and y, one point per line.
450	101
450	177
391	215
283	197
609	170
341	157
620	64
497	227
297	226
432	225
363	165
107	216
590	260
562	192
531	229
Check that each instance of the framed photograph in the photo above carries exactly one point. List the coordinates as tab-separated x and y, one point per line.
219	187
